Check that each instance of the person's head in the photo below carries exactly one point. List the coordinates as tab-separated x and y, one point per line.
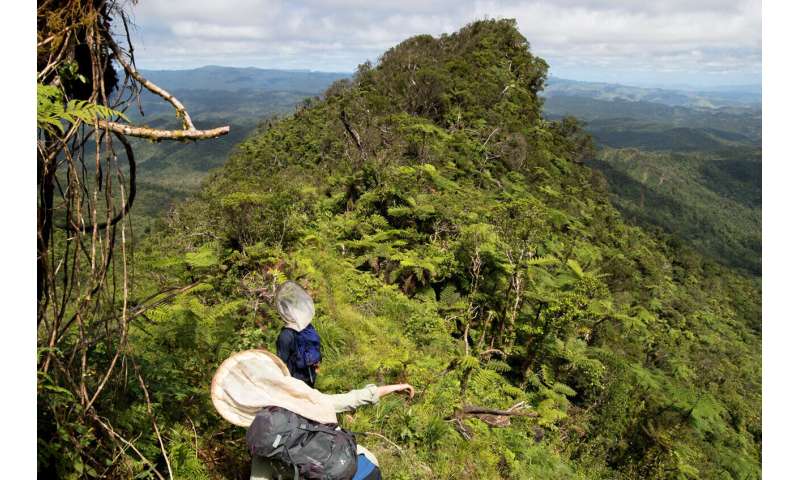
248	381
294	305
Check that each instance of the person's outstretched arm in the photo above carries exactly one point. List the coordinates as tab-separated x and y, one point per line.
399	387
370	394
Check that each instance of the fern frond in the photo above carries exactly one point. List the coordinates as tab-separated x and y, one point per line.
563	389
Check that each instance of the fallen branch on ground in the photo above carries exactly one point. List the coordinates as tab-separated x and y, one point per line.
473	410
383	437
490	416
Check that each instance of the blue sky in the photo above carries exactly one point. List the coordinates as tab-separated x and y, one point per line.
639	42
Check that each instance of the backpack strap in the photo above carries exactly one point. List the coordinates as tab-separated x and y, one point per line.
311	376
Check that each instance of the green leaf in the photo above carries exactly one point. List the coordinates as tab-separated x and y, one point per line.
202	258
575	267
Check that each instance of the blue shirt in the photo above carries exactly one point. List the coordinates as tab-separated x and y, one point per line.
286	346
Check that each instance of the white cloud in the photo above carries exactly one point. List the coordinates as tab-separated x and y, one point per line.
701	37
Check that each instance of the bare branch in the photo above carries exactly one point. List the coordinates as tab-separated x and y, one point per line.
353	134
490	136
389	441
129	444
157	135
153	418
187	120
493	350
126	205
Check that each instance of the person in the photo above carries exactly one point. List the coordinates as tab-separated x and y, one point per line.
298	344
250	381
367	469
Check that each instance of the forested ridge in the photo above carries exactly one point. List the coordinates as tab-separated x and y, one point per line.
686	162
452	238
694	172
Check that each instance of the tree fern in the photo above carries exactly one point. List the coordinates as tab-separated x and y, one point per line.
52	112
575	267
204	257
498	366
563	389
544	261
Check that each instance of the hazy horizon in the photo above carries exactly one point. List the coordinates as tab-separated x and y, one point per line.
675	86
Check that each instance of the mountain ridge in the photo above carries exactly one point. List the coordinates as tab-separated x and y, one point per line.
728	133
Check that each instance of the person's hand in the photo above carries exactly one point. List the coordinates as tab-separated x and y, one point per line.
408	388
398	387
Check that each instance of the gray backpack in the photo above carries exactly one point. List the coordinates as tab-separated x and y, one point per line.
314	450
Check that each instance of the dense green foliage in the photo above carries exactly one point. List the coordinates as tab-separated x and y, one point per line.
712	200
452	239
707	195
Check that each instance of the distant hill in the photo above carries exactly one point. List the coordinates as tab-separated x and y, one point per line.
234	79
728	96
710	200
649	135
741	120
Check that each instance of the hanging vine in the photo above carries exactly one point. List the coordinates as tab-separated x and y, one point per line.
86	82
